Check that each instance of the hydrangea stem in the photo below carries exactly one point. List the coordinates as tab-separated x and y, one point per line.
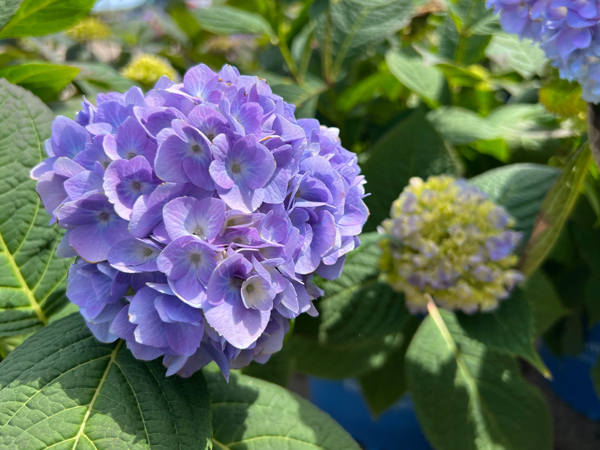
593	120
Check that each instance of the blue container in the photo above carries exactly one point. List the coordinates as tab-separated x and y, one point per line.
395	429
571	375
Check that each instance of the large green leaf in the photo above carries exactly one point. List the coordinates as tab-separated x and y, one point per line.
385	386
277	370
410	149
346	28
510	329
358	305
468	397
555	210
7	10
252	414
461	126
544	300
510	53
228	20
340	360
40	17
44	80
521	189
426	81
31	275
63	389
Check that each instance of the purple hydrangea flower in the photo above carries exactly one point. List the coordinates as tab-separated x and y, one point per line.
567	30
200	212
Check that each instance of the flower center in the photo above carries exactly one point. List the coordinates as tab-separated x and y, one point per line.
235	168
198	231
136	185
131	155
236	282
147	252
210	136
104	216
250	288
196	149
196	258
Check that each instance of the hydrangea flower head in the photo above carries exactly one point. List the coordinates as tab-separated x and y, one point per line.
447	240
147	69
199	213
567	30
89	29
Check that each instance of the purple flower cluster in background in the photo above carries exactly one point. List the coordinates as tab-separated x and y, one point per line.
567	30
200	213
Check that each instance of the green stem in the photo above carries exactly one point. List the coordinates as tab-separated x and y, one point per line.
287	55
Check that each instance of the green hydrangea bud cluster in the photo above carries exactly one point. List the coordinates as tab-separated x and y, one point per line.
447	240
89	29
147	69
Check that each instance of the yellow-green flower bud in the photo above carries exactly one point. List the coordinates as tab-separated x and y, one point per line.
147	69
445	238
89	29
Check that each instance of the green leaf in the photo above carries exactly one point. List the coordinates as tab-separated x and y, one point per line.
228	20
360	322
468	397
305	97
461	126
277	369
252	414
510	329
98	77
347	28
63	389
7	9
380	83
510	53
385	386
556	209
523	125
359	306
44	80
521	189
412	148
544	300
32	277
40	17
426	81
341	360
465	33
562	97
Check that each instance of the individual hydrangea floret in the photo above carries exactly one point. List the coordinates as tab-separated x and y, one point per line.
199	213
446	240
147	69
567	30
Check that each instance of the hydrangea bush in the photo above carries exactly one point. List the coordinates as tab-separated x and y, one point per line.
567	30
200	213
199	217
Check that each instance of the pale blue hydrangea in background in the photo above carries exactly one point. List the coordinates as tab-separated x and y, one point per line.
200	213
568	31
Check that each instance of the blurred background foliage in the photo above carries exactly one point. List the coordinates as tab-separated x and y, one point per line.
416	87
